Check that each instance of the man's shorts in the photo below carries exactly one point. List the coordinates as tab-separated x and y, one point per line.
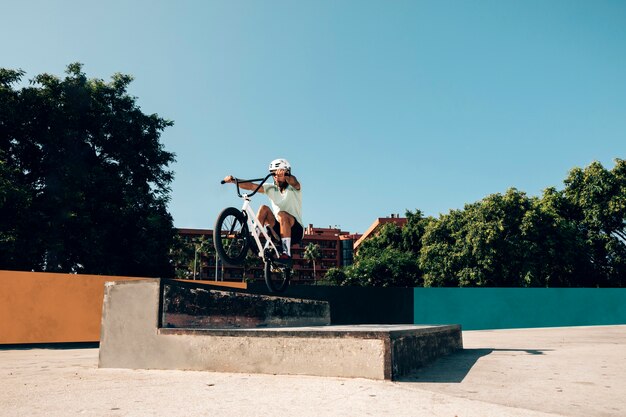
297	232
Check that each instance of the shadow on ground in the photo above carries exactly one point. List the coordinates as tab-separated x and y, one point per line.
52	346
455	367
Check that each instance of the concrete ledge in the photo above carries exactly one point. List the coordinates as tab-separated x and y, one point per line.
190	306
132	339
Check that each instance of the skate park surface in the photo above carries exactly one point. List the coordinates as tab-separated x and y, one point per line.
565	371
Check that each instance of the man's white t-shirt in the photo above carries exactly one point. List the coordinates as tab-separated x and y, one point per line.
289	200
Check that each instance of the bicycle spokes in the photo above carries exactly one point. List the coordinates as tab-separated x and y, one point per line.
231	236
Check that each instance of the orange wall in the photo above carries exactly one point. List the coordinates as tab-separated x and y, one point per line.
40	307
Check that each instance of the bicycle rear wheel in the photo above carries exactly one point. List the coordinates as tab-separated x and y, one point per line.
230	236
276	276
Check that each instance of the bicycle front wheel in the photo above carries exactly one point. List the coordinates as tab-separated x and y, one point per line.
230	236
276	276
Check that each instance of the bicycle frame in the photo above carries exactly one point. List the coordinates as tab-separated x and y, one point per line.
276	272
253	224
254	228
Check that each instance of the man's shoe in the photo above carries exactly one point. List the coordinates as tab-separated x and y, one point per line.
284	259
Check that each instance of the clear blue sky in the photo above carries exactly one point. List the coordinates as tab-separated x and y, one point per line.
381	106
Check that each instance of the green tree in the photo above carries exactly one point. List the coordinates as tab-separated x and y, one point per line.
203	248
87	167
390	257
390	268
554	248
508	240
250	262
14	200
595	198
574	237
335	276
182	257
312	253
413	231
389	236
189	255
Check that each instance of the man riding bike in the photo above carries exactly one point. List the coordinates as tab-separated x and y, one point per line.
285	216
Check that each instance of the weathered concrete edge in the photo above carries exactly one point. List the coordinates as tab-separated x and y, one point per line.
309	331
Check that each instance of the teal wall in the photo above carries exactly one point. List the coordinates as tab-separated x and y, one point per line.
507	308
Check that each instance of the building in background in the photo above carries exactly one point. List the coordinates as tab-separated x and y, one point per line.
375	227
347	248
335	251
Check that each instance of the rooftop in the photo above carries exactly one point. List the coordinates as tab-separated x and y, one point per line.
378	223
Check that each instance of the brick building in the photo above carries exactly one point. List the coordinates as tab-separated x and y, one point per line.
375	227
335	250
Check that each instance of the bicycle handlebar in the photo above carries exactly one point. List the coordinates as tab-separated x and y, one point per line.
238	181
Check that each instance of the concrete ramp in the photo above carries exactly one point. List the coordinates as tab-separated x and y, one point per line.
132	338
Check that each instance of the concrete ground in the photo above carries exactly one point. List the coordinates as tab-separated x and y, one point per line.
575	371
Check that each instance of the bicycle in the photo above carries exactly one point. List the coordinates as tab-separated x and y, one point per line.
237	231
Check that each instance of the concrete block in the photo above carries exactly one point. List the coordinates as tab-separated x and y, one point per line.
131	338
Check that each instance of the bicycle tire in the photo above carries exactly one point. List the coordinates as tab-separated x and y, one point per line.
230	236
276	276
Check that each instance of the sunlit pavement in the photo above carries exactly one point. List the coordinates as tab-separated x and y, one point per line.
573	371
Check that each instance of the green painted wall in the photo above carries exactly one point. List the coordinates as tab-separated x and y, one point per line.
507	308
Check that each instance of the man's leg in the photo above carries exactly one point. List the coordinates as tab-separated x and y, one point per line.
265	217
286	221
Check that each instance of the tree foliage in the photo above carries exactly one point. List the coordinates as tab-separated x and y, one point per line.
595	198
189	255
574	237
312	253
83	177
389	258
503	240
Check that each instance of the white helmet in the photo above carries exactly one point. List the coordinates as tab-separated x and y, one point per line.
280	164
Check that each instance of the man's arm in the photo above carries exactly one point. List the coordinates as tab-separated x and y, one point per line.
250	186
281	175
